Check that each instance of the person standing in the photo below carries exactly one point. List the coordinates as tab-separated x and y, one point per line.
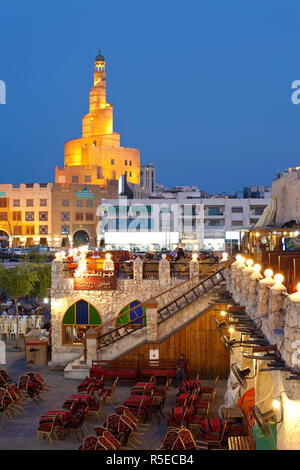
181	367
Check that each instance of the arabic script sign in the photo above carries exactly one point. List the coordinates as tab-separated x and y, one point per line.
103	280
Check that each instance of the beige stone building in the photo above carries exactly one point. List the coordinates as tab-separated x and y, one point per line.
25	214
286	194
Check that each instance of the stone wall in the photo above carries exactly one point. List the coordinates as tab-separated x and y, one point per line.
266	300
108	303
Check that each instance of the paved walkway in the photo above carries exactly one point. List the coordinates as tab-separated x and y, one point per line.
20	432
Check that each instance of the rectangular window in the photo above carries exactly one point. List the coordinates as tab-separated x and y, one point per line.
89	203
87	178
79	216
125	162
259	210
29	216
3	202
75	179
65	202
129	162
237	210
17	230
17	216
112	162
43	202
43	229
65	229
43	215
214	211
79	202
65	216
29	202
89	216
130	173
237	223
3	215
29	229
29	185
16	202
214	223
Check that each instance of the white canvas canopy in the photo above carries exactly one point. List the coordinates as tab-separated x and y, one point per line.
268	216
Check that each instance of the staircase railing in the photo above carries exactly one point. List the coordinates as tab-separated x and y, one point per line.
138	322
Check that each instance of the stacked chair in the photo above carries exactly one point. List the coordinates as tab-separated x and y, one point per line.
181	439
14	397
193	404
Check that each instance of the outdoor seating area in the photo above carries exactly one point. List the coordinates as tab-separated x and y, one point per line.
8	325
72	416
104	413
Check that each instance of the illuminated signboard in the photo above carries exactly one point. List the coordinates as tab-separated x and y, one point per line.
102	280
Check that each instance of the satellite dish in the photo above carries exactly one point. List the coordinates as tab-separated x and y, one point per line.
263	419
240	374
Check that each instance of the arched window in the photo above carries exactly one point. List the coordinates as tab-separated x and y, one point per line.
137	315
77	319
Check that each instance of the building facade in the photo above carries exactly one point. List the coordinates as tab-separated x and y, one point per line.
186	220
25	214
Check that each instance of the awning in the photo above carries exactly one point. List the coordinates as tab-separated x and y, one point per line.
268	216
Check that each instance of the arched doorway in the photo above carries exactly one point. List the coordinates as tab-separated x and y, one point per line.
135	316
77	320
4	239
80	238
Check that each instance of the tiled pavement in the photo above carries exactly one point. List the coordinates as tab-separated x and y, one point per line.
20	432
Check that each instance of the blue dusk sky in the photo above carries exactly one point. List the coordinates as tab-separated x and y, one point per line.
202	88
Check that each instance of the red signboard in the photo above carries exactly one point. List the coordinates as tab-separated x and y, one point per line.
102	280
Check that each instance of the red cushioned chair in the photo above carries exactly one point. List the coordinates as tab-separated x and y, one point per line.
89	443
213	432
6	403
48	426
188	385
4	378
76	422
102	431
179	416
110	392
119	427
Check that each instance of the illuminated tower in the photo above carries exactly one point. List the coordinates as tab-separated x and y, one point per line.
97	156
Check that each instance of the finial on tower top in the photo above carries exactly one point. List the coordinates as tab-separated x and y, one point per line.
99	57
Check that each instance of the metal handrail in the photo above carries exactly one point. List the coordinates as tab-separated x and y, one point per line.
132	322
109	322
